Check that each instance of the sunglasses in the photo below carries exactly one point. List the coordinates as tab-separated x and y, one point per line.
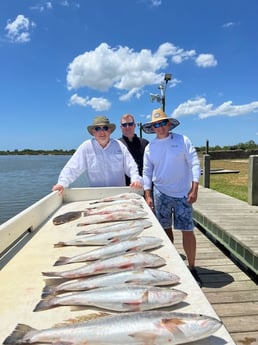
126	124
160	124
104	128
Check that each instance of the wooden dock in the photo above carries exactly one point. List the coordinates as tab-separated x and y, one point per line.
229	283
232	222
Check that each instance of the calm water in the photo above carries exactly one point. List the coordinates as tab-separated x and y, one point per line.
26	179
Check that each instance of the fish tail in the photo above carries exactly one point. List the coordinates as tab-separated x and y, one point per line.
62	261
48	290
45	304
51	287
83	232
59	244
16	337
51	274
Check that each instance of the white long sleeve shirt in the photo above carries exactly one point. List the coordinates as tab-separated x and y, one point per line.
171	164
105	167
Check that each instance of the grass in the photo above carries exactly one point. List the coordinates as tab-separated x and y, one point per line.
235	185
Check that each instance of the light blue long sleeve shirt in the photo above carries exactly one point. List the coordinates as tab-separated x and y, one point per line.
105	167
171	164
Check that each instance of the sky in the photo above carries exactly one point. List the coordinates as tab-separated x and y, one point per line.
63	62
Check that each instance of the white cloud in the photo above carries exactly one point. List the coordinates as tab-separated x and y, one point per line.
98	104
42	7
20	29
228	25
203	110
155	3
69	3
206	60
228	109
126	70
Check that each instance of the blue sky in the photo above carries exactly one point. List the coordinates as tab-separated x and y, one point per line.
63	62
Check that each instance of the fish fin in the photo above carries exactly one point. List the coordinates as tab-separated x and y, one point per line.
61	261
172	324
81	319
19	332
45	304
145	337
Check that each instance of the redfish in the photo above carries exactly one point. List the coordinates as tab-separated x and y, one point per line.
118	298
119	225
114	264
102	238
113	216
125	196
109	250
141	276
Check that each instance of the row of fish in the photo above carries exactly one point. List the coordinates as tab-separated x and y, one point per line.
102	207
121	275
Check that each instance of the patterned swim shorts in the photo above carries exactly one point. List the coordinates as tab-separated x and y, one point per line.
170	210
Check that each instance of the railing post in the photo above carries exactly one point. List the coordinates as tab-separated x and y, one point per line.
206	170
253	180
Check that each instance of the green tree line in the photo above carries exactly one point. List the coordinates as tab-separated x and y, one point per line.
249	145
37	152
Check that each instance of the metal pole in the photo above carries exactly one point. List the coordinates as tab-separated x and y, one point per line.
206	171
163	103
140	130
139	124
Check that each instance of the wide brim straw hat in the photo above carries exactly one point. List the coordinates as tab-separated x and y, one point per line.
101	121
157	116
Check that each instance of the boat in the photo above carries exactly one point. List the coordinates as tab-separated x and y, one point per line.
27	249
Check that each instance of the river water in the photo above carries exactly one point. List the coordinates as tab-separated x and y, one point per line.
26	179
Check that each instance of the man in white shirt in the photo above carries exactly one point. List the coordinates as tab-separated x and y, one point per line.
172	167
105	160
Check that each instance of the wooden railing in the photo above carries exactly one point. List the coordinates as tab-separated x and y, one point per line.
252	177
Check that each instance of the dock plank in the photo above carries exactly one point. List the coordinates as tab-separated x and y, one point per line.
227	286
231	222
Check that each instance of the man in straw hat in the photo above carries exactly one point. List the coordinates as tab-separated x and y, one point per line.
106	161
172	167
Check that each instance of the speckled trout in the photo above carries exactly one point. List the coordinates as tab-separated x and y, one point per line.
102	238
139	328
114	264
123	297
109	250
145	276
